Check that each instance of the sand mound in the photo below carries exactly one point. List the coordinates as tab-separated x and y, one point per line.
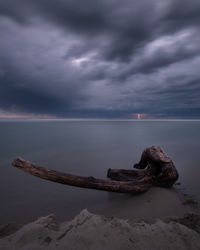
89	231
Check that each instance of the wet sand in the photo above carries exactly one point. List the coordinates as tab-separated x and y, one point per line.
158	219
156	203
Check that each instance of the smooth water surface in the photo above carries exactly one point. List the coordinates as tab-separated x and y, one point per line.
85	147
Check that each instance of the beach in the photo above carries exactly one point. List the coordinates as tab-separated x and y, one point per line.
91	231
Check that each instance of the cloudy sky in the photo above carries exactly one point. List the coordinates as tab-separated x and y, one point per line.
100	58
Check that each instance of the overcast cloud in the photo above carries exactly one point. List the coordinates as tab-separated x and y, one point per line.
100	58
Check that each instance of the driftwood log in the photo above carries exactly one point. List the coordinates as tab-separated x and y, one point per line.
154	169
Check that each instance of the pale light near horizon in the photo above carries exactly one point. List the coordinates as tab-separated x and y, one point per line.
20	115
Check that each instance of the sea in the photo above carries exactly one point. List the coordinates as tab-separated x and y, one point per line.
86	147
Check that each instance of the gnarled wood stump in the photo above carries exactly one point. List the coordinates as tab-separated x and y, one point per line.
154	169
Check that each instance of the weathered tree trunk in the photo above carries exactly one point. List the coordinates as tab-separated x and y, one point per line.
154	167
80	181
157	170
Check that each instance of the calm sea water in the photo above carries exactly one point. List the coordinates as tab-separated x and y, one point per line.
85	147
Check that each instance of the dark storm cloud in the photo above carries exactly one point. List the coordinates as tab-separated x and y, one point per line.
100	58
126	25
182	14
16	95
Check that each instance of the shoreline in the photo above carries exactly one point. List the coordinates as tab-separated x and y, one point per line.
155	203
175	224
91	231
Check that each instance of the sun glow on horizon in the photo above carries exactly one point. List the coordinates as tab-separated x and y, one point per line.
7	114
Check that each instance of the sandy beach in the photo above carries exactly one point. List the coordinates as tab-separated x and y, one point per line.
175	224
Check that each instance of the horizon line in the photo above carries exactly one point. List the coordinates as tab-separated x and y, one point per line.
97	119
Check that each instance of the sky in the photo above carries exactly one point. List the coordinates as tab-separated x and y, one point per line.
100	58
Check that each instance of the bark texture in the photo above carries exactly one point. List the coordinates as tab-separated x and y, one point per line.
154	169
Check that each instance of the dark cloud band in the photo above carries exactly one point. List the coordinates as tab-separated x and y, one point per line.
101	58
